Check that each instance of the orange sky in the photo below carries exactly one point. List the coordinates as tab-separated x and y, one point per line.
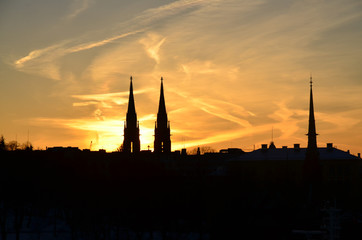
233	70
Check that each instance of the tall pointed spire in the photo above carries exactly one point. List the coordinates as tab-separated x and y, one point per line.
131	142
162	105
312	135
131	106
312	169
162	126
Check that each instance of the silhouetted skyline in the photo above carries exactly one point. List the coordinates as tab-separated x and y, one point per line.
276	192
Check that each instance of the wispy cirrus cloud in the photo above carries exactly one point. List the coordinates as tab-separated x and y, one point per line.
36	54
90	45
47	56
53	52
77	7
285	115
82	104
153	15
220	109
152	44
116	98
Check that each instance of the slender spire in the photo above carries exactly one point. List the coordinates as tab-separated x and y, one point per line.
131	142
312	135
312	170
162	105
162	128
272	145
131	105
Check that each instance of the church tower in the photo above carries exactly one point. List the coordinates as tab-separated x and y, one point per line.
131	142
311	164
162	127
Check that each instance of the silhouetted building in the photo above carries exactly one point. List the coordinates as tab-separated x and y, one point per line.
131	142
296	153
162	126
272	145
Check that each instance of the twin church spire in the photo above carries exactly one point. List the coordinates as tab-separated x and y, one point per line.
162	126
131	141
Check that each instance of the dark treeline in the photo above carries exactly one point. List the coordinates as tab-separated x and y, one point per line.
112	196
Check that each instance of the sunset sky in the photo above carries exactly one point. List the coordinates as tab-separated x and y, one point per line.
233	70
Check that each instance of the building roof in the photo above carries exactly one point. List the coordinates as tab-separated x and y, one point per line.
296	153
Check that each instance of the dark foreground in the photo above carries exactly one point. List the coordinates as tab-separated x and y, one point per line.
117	196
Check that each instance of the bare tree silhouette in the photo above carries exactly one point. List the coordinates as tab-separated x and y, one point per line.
201	150
120	148
13	145
2	143
27	146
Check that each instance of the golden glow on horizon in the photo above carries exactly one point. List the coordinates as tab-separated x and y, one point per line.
109	132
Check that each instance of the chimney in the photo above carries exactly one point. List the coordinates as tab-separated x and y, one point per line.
329	145
359	155
284	147
296	146
183	152
198	151
264	146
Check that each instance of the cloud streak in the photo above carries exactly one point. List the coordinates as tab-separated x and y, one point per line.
77	7
116	98
152	46
142	22
96	44
59	50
